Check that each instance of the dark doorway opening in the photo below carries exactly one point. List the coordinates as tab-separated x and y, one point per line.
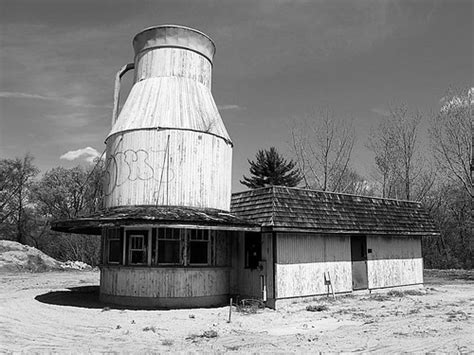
253	249
359	262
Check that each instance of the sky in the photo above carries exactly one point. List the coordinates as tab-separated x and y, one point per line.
276	62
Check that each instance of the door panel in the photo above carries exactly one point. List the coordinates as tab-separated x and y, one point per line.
359	262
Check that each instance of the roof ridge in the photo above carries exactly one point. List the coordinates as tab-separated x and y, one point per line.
346	194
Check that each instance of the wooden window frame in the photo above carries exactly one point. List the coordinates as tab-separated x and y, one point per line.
127	248
179	240
112	234
199	235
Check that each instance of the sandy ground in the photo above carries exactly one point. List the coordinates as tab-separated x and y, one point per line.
59	312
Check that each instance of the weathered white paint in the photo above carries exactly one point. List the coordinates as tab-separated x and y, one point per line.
166	282
169	145
359	275
168	167
307	279
169	62
170	102
394	261
302	260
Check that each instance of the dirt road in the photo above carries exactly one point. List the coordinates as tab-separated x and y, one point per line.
60	312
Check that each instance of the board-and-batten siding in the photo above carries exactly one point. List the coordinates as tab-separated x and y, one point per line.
168	167
302	260
394	261
164	282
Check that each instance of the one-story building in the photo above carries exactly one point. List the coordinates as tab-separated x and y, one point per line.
311	237
172	234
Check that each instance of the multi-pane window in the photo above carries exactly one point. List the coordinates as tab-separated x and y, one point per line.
160	246
199	247
169	246
137	248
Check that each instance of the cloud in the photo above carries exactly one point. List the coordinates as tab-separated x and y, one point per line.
88	154
380	111
22	95
68	101
229	107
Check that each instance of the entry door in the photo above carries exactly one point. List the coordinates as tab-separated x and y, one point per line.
359	262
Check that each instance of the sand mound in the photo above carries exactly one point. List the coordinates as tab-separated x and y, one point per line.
18	257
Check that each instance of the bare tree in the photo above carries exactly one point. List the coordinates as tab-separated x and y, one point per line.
451	139
66	193
322	145
382	143
397	155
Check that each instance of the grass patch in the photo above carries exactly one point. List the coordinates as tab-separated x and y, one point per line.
232	347
396	293
208	334
167	342
317	308
380	297
346	311
249	306
149	329
457	315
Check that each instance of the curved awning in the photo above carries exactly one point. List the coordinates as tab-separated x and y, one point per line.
171	216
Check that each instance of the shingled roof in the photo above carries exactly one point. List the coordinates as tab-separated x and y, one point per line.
154	215
280	208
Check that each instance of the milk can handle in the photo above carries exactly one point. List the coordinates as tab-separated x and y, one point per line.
118	77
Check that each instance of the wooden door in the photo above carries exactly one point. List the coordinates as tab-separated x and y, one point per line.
359	262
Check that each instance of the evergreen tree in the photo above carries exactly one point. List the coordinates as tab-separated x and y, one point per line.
270	168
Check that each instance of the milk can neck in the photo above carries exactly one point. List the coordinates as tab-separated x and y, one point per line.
173	51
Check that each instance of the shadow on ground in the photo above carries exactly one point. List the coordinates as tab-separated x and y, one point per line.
83	297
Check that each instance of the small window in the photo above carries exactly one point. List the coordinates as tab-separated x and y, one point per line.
253	249
115	251
114	246
137	247
199	247
169	244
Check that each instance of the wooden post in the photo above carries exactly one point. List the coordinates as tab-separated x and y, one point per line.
230	310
